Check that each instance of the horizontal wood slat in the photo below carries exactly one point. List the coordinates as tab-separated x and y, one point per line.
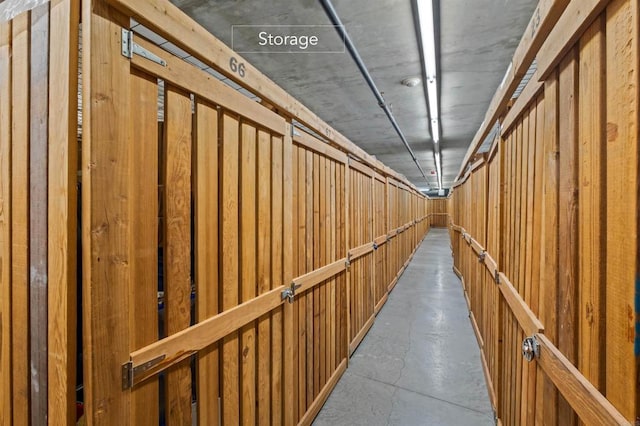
185	343
526	318
302	138
361	250
592	407
308	281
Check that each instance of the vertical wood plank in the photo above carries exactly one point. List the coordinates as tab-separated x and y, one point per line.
592	179
143	317
62	206
248	267
228	178
296	255
316	264
38	217
20	220
623	281
277	243
568	219
549	251
537	291
310	199
264	276
206	255
322	246
106	232
177	259
5	223
301	211
289	392
332	258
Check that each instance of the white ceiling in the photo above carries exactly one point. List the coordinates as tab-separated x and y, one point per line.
477	41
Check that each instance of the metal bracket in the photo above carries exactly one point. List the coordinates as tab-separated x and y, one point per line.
289	293
129	48
530	348
375	246
129	371
347	263
496	276
481	256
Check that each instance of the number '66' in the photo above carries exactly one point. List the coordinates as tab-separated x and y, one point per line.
236	67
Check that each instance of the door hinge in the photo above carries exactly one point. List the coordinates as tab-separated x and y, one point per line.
289	293
129	372
129	48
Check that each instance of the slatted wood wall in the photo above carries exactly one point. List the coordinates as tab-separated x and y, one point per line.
193	231
552	210
38	220
439	211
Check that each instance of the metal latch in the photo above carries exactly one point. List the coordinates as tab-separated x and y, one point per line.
481	256
129	371
289	293
530	348
129	47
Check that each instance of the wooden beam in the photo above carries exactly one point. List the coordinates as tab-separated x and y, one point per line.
577	17
529	323
185	343
304	139
106	235
592	407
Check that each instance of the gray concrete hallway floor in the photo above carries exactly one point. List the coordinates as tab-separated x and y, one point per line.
420	363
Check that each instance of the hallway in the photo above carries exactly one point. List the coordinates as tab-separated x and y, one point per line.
420	362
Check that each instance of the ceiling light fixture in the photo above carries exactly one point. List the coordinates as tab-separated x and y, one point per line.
428	37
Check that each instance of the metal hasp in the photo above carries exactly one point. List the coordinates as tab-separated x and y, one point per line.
129	371
530	348
289	293
129	47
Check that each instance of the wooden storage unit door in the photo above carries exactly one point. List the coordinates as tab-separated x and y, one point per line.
361	271
220	171
319	240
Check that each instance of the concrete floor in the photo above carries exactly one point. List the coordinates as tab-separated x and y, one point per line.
420	363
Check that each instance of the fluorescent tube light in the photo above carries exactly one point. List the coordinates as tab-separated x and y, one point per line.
427	31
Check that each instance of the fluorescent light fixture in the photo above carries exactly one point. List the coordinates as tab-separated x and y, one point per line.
428	35
427	31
